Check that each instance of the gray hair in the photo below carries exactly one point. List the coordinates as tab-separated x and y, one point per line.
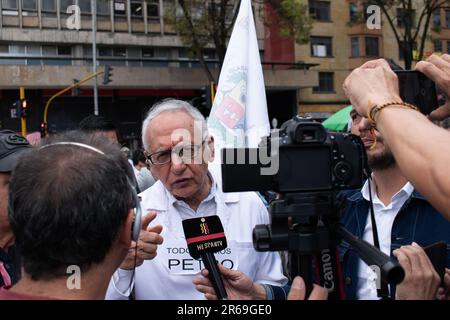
172	105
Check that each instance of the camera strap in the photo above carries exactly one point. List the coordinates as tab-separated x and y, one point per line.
383	291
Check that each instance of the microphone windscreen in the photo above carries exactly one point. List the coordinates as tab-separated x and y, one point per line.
204	235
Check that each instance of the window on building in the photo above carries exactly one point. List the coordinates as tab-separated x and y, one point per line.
13	50
56	51
29	5
112	52
372	47
402	45
10	5
158	54
448	47
437	18
120	8
85	6
103	8
64	50
64	4
34	50
353	11
48	6
406	16
136	8
355	46
118	53
321	47
437	45
134	57
152	8
326	83
447	18
320	10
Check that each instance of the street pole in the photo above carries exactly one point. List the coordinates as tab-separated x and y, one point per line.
94	53
23	120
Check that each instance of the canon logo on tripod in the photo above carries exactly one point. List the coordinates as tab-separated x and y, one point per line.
327	270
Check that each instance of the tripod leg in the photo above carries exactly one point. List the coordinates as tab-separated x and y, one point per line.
301	265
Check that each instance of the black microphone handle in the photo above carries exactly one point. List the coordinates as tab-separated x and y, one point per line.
214	275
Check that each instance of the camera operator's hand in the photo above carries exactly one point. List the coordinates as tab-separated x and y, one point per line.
149	239
298	291
374	83
438	69
238	285
421	280
444	293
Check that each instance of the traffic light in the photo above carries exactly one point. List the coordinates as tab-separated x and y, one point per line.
75	90
22	108
43	129
207	96
107	75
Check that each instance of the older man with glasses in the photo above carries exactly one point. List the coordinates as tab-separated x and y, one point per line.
178	150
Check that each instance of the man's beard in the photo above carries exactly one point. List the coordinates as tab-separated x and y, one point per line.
381	161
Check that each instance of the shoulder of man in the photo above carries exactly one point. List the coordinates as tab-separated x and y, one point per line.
154	198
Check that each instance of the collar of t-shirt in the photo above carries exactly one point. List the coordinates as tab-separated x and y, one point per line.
206	208
6	294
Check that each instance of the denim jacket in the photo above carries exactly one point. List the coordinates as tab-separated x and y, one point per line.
416	221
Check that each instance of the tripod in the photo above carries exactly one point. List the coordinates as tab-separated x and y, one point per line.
307	226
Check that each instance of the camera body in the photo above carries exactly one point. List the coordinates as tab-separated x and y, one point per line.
300	157
417	89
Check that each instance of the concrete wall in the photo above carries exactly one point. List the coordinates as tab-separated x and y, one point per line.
14	76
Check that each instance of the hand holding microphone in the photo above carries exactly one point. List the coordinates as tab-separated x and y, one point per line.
204	237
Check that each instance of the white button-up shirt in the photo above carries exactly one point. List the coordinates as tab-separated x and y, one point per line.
384	217
169	275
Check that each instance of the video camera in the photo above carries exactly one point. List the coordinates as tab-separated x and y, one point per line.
307	157
307	166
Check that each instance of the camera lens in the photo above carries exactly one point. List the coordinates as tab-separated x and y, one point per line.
343	171
261	238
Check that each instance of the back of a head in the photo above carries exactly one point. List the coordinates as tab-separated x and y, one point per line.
138	156
68	203
96	123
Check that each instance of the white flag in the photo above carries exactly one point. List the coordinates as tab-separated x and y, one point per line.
239	114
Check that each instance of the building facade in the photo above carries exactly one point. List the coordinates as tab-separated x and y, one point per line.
40	50
340	42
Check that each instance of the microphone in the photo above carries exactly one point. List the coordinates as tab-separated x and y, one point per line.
204	237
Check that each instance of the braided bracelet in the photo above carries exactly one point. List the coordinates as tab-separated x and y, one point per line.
375	109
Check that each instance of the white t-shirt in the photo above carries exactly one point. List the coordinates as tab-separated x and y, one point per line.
169	276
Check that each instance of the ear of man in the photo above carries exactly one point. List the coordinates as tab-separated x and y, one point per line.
124	236
209	149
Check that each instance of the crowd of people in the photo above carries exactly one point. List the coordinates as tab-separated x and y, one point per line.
69	206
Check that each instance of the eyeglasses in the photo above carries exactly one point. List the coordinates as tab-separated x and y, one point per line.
187	153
